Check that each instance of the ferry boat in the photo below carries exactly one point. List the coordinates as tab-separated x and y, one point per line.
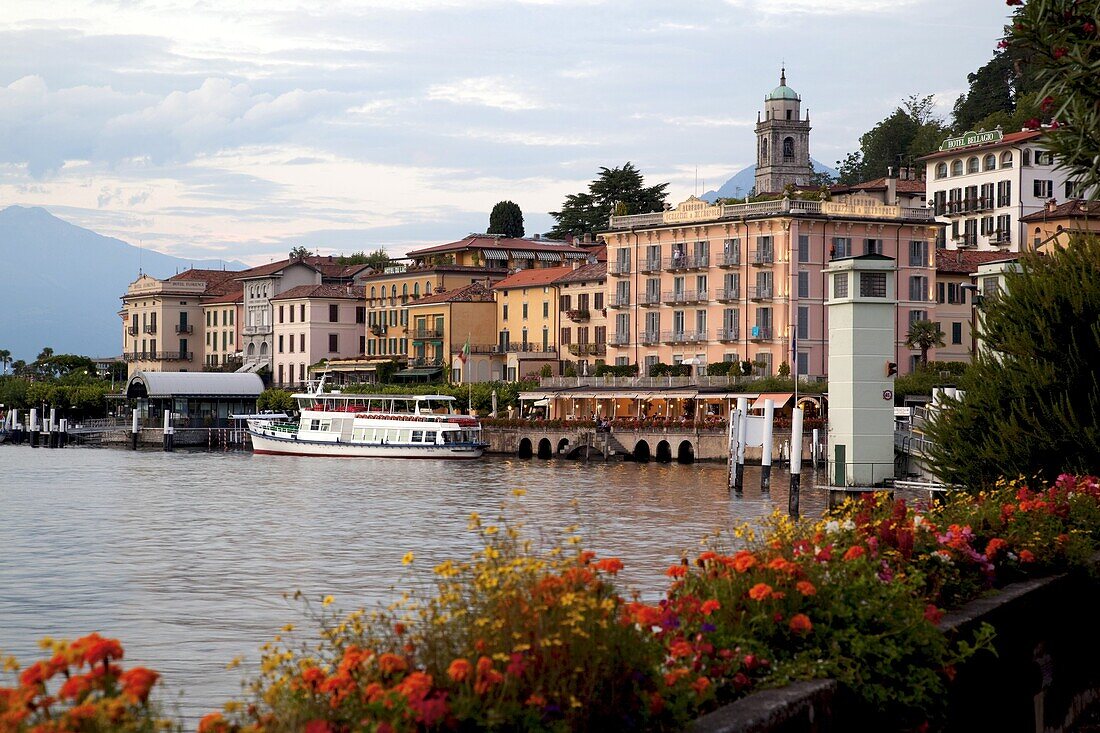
341	425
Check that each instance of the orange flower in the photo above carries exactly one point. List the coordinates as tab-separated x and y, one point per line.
710	607
800	624
677	571
536	700
416	686
781	565
700	685
390	663
806	588
94	648
854	552
610	565
994	546
36	674
313	677
675	675
459	670
1026	556
743	560
760	592
486	676
138	682
679	648
74	687
80	713
213	723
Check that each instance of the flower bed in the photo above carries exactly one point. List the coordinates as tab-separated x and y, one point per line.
516	638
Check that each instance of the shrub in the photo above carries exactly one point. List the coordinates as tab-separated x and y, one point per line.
274	399
617	370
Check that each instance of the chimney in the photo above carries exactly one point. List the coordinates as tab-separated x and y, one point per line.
1052	205
576	264
891	187
537	236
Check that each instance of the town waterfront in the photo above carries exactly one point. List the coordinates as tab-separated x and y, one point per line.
185	556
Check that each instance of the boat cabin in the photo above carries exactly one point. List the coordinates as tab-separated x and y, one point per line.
420	405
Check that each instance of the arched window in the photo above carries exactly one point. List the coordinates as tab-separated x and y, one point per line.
991	162
788	149
1025	157
393	292
263	348
405	291
764	149
1006	159
1038	237
372	292
427	287
956	168
416	290
972	165
252	349
941	170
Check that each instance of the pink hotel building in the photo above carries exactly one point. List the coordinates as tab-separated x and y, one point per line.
743	282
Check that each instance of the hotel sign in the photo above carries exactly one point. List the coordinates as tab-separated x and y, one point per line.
971	138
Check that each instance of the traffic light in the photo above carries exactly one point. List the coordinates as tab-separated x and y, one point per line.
891	369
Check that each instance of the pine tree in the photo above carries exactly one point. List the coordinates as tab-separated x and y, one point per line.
1032	397
584	213
507	219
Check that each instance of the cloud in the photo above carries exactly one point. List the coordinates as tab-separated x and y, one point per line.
486	91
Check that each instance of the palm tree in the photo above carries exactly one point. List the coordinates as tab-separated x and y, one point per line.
924	335
5	359
45	354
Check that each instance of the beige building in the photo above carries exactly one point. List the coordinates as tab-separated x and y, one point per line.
315	322
528	317
496	252
1053	225
222	327
905	189
440	327
162	320
955	305
743	282
582	306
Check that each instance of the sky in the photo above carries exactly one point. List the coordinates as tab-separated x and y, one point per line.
238	133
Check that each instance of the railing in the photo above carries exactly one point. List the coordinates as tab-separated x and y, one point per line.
158	356
181	328
650	299
420	361
587	349
650	337
481	348
685	296
132	330
967	205
618	300
1000	237
256	330
729	334
760	292
619	339
378	329
762	256
579	315
525	348
966	240
667	381
687	262
149	329
684	337
768	208
728	294
650	265
618	268
760	333
427	333
730	259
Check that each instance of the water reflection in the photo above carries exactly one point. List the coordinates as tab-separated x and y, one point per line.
185	557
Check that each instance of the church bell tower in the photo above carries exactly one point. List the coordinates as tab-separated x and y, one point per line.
782	141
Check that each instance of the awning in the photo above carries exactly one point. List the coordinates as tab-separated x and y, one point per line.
673	395
575	255
779	398
419	372
522	254
549	256
494	254
580	395
544	402
536	395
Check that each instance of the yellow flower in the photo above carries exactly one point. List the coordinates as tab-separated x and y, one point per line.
519	492
490	530
234	663
408	558
327	601
288	627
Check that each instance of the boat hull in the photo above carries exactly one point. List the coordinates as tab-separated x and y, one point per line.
277	446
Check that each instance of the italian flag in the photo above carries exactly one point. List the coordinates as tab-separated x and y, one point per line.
465	353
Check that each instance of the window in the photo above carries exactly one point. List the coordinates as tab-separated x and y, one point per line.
597	300
504	312
280	313
840	285
1006	159
362	344
360	314
1044	157
600	334
986	200
956	168
546	309
939	292
802	362
788	150
872	246
941	170
301	312
918	254
873	284
565	303
566	335
1025	157
208	318
301	343
803	247
987	226
918	288
525	311
1004	224
804	317
333	313
1044	189
803	285
280	343
333	342
990	162
842	247
917	315
956	332
972	165
1004	193
1074	190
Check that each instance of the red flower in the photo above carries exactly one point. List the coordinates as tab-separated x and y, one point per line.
800	624
743	560
459	670
74	687
1026	556
318	726
213	723
710	607
805	587
679	648
1059	52
610	565
994	546
390	663
677	571
1088	27
933	614
137	683
1033	124
700	685
36	674
854	552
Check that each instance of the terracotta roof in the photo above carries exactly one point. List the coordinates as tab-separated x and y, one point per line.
965	261
231	292
879	184
1008	139
472	293
328	266
485	241
595	271
1065	210
326	290
218	282
532	277
600	253
497	272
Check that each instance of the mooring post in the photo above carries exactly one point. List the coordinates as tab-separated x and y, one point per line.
767	447
815	447
731	444
62	433
53	427
796	461
34	427
742	425
135	428
167	434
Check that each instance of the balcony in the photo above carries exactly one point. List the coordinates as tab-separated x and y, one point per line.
729	334
687	262
581	315
423	361
999	238
650	265
650	300
728	294
685	296
425	334
525	348
184	328
618	268
378	329
650	337
158	356
619	339
618	300
132	330
587	349
760	292
481	348
730	259
149	329
966	239
760	333
762	257
256	330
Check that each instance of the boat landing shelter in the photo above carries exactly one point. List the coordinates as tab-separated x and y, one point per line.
202	399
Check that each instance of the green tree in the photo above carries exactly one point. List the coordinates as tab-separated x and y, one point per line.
912	130
378	259
1032	396
275	400
44	354
506	218
1060	39
299	252
588	212
991	91
924	335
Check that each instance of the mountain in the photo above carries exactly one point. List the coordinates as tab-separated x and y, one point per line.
741	183
60	284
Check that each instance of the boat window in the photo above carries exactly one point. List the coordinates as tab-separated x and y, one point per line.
418	436
326	425
314	424
429	436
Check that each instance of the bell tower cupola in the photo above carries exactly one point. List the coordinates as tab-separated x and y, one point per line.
782	141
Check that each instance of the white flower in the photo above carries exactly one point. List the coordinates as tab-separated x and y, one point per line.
832	526
918	520
848	524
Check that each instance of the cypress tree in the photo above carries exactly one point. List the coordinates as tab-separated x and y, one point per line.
506	218
1033	394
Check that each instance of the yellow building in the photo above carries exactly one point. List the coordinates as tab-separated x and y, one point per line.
222	327
582	335
440	327
497	252
528	318
1052	226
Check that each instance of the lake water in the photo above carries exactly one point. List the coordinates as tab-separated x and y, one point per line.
185	556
